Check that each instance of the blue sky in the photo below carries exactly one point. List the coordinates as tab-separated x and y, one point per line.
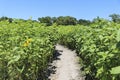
81	9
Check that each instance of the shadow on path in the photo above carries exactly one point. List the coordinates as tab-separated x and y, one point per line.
51	67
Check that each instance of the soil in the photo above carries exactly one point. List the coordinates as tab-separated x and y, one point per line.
66	65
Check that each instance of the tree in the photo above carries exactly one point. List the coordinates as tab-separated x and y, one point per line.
4	18
47	20
54	19
67	20
84	22
115	18
70	20
100	22
60	20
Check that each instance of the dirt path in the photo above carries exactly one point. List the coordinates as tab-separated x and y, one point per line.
66	65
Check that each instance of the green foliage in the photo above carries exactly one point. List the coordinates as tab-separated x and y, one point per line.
98	47
67	20
115	18
4	18
115	70
47	20
84	22
26	48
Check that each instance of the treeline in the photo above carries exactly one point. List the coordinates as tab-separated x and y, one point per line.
63	20
66	20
